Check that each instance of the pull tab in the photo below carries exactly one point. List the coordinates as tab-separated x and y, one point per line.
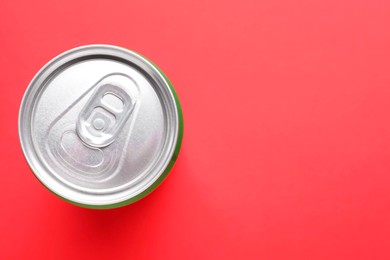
105	113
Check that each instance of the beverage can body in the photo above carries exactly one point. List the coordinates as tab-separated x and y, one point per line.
100	126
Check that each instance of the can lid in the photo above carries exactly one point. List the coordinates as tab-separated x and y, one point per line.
99	124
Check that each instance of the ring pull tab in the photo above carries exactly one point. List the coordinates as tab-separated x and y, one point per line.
105	113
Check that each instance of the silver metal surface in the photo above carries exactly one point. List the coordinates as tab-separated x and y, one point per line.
98	125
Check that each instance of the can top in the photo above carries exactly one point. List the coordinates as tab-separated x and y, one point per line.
99	124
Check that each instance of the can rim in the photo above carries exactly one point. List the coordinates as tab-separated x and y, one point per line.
174	149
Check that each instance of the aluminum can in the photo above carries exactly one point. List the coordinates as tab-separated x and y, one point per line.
100	126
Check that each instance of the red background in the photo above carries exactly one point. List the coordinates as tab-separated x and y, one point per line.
287	134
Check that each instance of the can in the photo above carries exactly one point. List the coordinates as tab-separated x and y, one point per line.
100	126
